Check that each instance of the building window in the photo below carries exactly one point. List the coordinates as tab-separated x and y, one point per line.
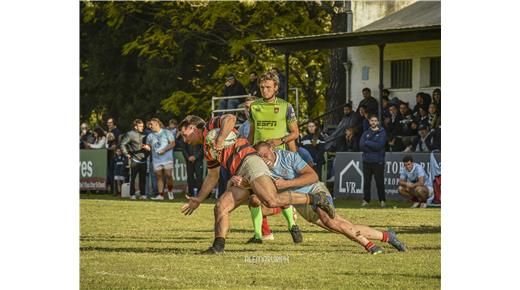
435	72
401	73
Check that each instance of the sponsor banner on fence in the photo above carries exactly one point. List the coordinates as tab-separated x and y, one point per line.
348	169
180	173
93	169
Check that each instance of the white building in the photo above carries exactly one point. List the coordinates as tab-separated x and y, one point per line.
416	64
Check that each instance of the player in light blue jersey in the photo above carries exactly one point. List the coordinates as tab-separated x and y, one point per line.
414	183
291	172
160	143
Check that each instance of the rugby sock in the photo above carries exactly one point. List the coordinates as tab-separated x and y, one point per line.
219	243
256	215
385	237
265	227
288	214
369	245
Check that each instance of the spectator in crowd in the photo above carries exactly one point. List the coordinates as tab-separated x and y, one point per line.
408	145
424	140
422	117
161	143
120	163
100	141
433	116
414	183
194	155
85	135
252	88
437	99
112	128
152	177
111	152
244	128
232	88
394	144
385	106
392	122
172	126
314	143
369	102
372	144
281	81
435	141
350	142
364	113
423	100
133	147
350	120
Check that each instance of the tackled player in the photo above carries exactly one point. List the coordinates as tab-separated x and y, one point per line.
240	159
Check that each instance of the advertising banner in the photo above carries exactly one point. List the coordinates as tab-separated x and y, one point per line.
93	169
348	173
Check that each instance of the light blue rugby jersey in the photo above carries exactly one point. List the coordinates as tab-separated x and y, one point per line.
413	176
158	141
288	166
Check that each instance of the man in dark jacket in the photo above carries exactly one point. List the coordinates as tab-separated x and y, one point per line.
369	101
233	88
372	144
252	87
193	155
135	150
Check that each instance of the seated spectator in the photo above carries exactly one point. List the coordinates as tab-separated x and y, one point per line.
333	140
419	102
394	144
363	114
422	117
385	104
437	99
414	183
350	142
433	116
392	122
315	144
424	141
370	103
435	142
232	88
85	135
100	141
252	88
408	145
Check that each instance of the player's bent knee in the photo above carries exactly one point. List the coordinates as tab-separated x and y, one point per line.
254	201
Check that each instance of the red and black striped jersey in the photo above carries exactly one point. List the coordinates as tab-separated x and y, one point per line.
232	156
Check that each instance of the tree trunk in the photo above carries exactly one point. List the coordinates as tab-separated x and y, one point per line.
335	95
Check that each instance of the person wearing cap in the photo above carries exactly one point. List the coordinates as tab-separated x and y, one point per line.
232	88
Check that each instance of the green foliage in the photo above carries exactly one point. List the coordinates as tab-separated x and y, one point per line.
144	59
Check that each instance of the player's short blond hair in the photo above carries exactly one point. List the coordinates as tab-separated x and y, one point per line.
269	76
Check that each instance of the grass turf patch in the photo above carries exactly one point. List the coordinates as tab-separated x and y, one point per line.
146	244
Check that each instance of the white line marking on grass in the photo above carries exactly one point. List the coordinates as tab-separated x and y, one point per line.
137	276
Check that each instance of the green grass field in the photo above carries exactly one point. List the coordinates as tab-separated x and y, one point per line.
149	245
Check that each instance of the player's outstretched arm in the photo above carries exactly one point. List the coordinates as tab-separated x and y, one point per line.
209	183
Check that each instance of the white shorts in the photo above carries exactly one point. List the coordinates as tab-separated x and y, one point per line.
166	166
119	177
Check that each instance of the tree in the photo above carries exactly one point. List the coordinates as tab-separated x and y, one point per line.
167	59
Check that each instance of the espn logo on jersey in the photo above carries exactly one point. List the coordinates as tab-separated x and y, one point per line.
266	123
